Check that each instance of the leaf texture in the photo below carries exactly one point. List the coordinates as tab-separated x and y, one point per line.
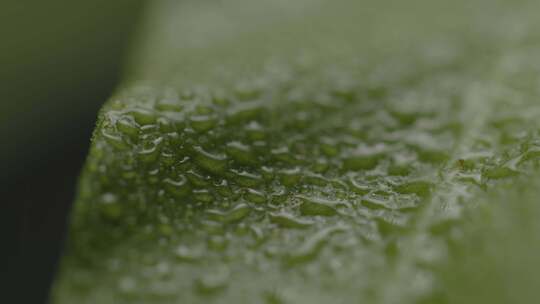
312	152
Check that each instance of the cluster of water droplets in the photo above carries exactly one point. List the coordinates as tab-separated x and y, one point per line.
279	187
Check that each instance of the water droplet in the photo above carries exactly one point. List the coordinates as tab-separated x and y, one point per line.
255	131
317	206
143	116
289	221
127	127
315	179
241	153
358	187
244	112
290	177
169	105
214	163
203	123
166	126
203	195
150	151
177	187
114	140
311	247
197	179
374	203
420	188
283	154
237	213
246	179
254	196
329	149
223	189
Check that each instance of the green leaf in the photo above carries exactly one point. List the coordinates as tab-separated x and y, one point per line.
312	152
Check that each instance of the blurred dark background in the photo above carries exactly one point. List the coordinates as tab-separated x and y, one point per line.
59	62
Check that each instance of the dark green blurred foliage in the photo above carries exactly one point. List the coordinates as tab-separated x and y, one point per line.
54	56
59	60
